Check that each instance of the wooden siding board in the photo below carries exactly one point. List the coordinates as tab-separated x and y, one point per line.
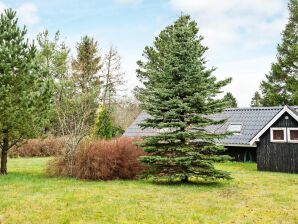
238	153
279	157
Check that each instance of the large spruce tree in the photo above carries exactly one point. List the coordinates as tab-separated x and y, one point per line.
281	84
25	87
179	91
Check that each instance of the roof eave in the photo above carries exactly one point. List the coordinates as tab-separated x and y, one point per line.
239	145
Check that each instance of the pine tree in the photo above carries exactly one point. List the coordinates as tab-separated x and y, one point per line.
256	101
53	54
231	101
88	64
178	92
25	87
281	84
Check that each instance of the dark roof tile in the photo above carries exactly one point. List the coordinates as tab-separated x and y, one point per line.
252	119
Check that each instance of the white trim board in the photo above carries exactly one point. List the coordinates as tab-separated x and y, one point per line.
273	120
289	135
278	129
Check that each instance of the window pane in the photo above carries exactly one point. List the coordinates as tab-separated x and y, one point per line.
294	134
278	135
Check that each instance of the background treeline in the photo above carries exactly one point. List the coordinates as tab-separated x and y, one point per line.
47	91
87	97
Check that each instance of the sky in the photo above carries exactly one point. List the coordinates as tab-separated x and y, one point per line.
242	35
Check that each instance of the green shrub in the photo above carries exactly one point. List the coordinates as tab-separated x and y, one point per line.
104	125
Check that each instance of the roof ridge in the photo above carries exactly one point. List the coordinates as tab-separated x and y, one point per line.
256	108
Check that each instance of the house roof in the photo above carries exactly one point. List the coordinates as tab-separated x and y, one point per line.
286	109
252	120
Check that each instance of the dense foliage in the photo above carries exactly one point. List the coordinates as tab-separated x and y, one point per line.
281	84
25	87
53	54
87	65
178	92
105	126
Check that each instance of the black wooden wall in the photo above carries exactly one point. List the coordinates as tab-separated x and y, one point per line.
241	154
280	157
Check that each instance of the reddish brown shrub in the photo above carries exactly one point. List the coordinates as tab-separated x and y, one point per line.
39	148
102	160
107	160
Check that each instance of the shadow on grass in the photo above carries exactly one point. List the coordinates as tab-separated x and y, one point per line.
40	176
197	183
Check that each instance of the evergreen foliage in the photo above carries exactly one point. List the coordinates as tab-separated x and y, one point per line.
53	54
281	84
179	92
87	65
104	124
25	87
256	101
231	101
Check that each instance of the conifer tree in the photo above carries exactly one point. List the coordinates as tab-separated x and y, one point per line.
281	84
256	101
231	101
87	65
179	91
53	54
25	87
105	126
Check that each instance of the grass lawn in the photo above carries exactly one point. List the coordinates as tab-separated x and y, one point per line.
28	196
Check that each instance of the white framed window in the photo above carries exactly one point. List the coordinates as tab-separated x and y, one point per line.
293	135
235	128
278	135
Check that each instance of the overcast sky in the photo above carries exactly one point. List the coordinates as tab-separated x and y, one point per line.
242	35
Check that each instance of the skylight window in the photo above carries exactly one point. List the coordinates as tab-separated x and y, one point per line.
236	128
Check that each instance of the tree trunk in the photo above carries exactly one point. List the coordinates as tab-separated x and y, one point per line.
4	153
184	179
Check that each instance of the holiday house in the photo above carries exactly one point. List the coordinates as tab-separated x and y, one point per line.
266	135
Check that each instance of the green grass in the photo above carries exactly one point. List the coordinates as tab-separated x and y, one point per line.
28	196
